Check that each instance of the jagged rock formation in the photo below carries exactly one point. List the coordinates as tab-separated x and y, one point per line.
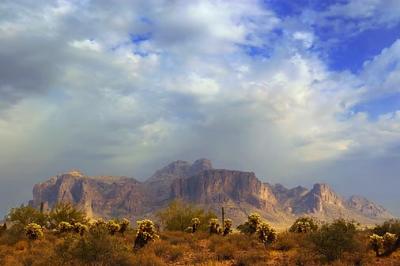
239	192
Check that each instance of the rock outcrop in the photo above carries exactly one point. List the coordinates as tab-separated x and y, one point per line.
239	192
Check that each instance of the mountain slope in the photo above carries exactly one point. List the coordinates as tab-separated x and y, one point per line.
239	192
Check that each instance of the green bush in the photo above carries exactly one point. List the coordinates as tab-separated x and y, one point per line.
304	225
64	227
391	226
178	216
331	240
65	212
25	215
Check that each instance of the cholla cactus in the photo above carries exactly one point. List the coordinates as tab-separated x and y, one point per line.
251	225
113	227
195	224
266	233
389	241
33	231
123	225
376	243
64	227
80	228
304	225
214	226
146	232
227	227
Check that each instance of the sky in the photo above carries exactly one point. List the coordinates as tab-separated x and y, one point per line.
297	91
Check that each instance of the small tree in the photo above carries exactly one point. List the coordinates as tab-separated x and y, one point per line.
214	226
25	215
331	240
227	227
146	232
33	231
304	225
266	234
65	212
178	215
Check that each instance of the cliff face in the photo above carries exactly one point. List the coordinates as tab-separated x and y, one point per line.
239	192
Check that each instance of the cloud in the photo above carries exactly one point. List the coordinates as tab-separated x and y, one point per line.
84	88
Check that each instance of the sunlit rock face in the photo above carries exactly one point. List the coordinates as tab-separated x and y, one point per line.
240	193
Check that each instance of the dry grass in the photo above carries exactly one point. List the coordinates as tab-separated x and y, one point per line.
177	248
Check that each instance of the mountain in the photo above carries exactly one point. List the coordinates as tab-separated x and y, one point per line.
238	192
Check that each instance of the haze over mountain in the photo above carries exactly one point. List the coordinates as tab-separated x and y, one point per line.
239	192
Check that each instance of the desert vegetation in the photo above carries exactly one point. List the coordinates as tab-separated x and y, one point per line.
183	234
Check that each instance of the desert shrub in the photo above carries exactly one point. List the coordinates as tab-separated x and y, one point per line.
391	226
25	215
178	216
214	226
304	225
251	225
65	212
225	251
33	231
64	227
383	245
146	232
13	234
251	258
113	227
266	234
286	241
96	247
227	227
145	259
331	240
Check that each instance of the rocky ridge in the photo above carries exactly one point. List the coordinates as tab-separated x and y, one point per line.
199	183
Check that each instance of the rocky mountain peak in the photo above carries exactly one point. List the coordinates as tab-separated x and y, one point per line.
238	192
175	169
366	207
200	165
